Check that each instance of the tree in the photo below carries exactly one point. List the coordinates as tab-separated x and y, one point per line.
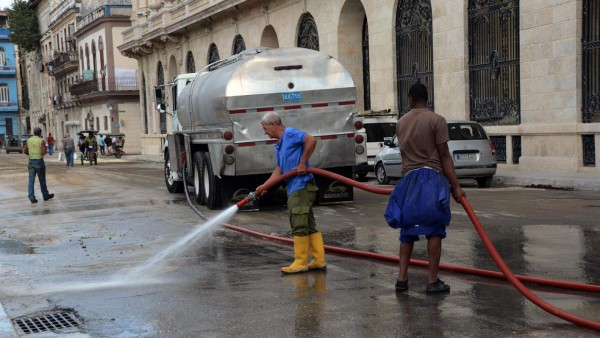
24	28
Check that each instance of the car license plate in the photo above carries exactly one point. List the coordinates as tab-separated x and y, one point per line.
464	157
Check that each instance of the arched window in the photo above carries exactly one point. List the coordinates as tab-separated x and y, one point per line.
3	60
145	103
190	64
366	66
213	53
238	45
414	49
160	80
87	56
94	66
591	61
308	36
102	65
81	58
494	72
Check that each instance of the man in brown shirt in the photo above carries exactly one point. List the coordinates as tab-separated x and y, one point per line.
420	203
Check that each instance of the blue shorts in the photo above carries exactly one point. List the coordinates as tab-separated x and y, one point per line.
420	205
437	232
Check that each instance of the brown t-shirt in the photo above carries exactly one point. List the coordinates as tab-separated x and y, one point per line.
419	132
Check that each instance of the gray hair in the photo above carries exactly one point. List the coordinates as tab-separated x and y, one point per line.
271	118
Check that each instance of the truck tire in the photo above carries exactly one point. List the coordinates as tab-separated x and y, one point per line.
198	180
172	186
212	185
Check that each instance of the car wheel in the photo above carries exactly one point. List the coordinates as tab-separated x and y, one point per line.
484	182
381	175
198	181
172	185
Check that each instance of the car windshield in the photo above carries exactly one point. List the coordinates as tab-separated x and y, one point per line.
466	131
376	132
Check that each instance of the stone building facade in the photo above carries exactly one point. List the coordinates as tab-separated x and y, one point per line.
524	69
78	80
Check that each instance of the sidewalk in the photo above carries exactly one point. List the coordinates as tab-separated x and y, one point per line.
558	180
509	177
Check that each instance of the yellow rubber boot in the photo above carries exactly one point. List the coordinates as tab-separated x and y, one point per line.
318	252
300	264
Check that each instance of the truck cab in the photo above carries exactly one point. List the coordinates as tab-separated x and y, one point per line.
378	126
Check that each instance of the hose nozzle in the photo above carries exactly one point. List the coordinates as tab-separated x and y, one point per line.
252	196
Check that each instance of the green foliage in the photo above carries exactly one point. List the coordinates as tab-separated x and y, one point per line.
24	28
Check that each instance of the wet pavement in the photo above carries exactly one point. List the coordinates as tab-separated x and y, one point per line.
110	218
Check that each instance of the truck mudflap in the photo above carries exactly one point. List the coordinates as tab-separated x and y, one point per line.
332	191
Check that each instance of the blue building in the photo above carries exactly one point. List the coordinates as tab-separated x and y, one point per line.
9	101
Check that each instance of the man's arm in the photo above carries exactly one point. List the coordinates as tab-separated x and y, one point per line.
309	146
44	148
276	173
448	167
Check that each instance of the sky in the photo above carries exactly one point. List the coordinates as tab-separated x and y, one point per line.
5	3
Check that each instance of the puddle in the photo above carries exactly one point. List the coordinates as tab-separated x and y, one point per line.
9	247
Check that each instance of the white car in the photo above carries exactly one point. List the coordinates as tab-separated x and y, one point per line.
471	149
388	162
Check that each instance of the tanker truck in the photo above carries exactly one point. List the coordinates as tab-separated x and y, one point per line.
218	143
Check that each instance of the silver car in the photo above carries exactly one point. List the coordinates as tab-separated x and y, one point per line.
471	149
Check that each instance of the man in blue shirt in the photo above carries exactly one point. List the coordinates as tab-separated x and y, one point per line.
292	151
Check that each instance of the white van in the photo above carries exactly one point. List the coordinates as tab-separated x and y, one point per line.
378	126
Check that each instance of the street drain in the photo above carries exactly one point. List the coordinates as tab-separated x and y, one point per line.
56	321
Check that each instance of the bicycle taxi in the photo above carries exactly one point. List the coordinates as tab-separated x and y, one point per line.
89	147
114	144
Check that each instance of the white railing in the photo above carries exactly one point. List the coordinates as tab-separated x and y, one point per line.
62	8
104	11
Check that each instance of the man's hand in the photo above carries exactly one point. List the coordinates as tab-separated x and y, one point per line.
301	169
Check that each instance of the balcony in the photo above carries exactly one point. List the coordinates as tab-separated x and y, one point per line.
65	63
117	85
104	11
62	8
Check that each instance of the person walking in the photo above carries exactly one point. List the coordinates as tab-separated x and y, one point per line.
420	202
35	148
69	147
50	144
101	144
292	151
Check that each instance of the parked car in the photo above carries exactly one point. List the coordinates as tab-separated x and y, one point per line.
471	149
14	145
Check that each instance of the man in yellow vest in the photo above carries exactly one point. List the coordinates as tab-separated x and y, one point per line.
36	149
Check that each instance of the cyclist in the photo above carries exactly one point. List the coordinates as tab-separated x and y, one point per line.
90	141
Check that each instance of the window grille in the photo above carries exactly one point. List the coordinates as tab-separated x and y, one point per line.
238	45
494	87
308	36
213	54
590	43
414	50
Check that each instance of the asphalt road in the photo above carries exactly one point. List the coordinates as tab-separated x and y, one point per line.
75	253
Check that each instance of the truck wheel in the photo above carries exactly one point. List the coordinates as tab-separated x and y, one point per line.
212	185
198	181
172	185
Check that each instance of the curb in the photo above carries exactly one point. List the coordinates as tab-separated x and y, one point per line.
6	327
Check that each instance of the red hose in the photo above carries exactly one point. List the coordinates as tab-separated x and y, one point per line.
506	272
511	277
